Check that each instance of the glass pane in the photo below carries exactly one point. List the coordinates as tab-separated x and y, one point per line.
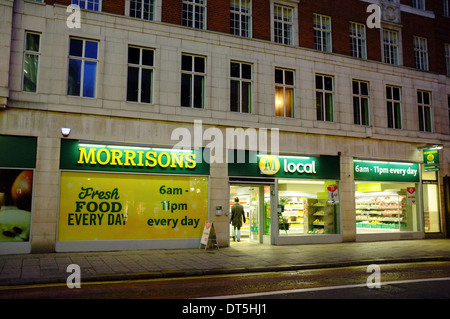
396	94
279	76
289	77
133	55
428	127
365	111
186	63
329	106
198	91
74	81
186	90
289	95
426	98
319	106
132	84
356	112
389	93
30	71
364	88
235	70
89	79
328	83
32	42
279	101
91	50
146	86
420	112
246	97
390	115
234	96
199	64
76	47
355	87
319	82
247	71
419	97
147	57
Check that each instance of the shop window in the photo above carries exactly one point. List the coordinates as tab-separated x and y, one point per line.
83	60
386	207
192	80
308	207
240	87
140	74
31	62
284	93
431	211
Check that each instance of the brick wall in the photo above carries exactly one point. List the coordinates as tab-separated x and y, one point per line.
171	11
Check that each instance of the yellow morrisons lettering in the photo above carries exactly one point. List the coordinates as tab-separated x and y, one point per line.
116	157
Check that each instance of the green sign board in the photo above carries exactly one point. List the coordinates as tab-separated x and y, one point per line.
18	151
386	171
430	160
131	159
251	164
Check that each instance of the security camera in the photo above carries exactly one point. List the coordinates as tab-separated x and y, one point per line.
65	131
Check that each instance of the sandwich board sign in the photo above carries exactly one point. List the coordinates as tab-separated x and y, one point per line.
209	236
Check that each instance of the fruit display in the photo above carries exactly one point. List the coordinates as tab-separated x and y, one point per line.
320	217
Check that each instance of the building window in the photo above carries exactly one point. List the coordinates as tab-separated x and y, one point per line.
446	8
358	46
240	87
192	80
322	33
424	107
394	106
31	61
391	46
325	98
140	74
447	58
194	13
83	60
361	113
142	9
421	53
241	18
284	92
94	5
283	18
418	4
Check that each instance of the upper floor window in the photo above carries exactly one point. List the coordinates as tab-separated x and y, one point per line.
394	106
421	53
284	92
140	74
446	8
322	33
447	58
361	113
194	14
240	87
424	108
325	98
283	19
241	17
31	61
94	5
83	60
193	73
418	4
391	47
142	9
358	45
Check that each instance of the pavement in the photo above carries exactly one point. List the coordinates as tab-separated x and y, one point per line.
51	268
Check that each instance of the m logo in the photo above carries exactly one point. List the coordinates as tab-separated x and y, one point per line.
269	165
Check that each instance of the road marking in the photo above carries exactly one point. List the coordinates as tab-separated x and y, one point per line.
300	290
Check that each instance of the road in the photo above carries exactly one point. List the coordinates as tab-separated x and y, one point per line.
412	280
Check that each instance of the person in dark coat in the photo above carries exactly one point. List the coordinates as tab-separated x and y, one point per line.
237	219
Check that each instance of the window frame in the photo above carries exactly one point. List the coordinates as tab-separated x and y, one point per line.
240	14
191	22
393	123
284	86
283	23
323	33
425	111
37	54
152	14
86	2
141	67
447	57
421	53
419	4
326	113
358	117
241	81
83	60
393	48
357	40
192	77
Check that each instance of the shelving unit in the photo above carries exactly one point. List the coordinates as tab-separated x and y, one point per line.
294	213
320	217
380	212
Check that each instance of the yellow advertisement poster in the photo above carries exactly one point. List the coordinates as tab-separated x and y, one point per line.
108	206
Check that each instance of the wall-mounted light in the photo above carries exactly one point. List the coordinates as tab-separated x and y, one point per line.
431	147
65	131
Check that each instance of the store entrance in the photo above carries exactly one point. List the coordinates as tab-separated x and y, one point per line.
256	201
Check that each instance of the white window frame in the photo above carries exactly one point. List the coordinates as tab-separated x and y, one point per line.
194	4
358	37
418	4
360	97
284	86
422	106
285	3
35	53
447	57
322	32
323	93
421	53
393	101
285	22
241	80
192	73
241	15
392	46
141	67
77	2
446	8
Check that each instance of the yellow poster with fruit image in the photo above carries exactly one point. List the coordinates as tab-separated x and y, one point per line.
111	206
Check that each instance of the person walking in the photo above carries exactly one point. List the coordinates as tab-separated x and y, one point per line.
237	216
